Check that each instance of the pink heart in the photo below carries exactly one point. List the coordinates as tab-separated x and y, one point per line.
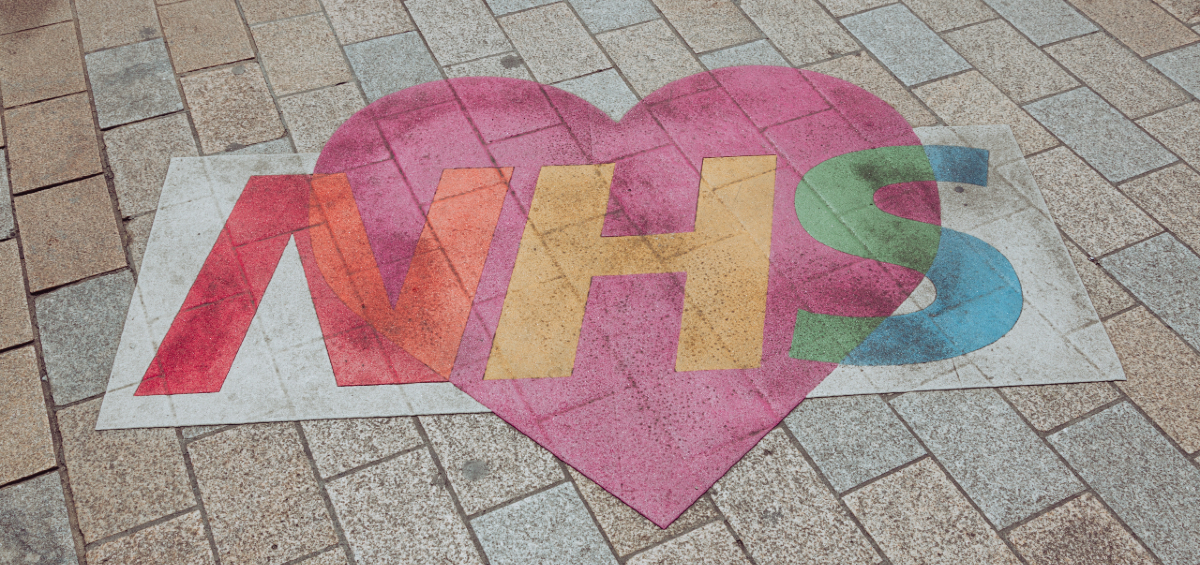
655	438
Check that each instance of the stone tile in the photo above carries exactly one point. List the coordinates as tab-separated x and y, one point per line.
1049	406
969	99
262	501
503	7
507	65
754	53
488	461
8	227
110	23
606	15
34	527
400	511
41	63
918	517
1141	24
605	90
313	116
25	446
340	445
1170	196
139	155
190	432
552	526
942	15
333	556
80	328
300	54
1010	61
649	55
121	478
15	326
458	30
1043	21
904	44
1146	482
554	43
51	142
360	20
781	510
259	11
708	26
1100	134
864	71
231	108
801	30
27	14
279	146
629	531
1080	532
137	233
1117	74
133	83
68	232
841	8
1107	296
179	541
191	26
1178	129
711	544
389	64
852	439
1181	66
1098	217
1165	276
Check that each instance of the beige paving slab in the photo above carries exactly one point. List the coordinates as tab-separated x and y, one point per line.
1049	406
26	446
313	116
178	541
708	545
649	55
67	233
300	54
111	23
1080	532
204	33
1186	10
708	26
863	70
334	556
51	142
801	29
231	108
360	20
554	43
1172	196
1177	128
28	14
1118	74
1009	61
970	99
15	325
259	11
508	65
137	233
40	63
1141	24
458	30
942	15
340	445
1107	296
139	155
121	478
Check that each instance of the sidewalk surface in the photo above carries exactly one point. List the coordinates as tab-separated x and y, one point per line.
98	95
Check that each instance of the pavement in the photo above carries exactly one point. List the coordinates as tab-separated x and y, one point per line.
98	96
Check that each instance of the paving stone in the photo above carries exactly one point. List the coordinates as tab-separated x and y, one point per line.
942	15
1107	296
864	71
1043	21
110	23
905	44
649	55
67	233
1049	406
259	11
969	99
1117	74
279	146
1098	217
400	511
605	90
313	116
25	446
1010	61
51	142
80	327
1188	11
340	445
40	63
27	14
782	511
390	64
190	28
1178	129
360	20
33	523
179	541
190	432
1080	532
8	227
1141	24
1165	276
502	7
133	83
552	526
801	30
754	53
707	26
488	461
918	517
139	155
300	54
262	501
554	43
1182	67
137	233
852	439
709	545
334	556
1146	482
15	326
841	8
231	108
507	65
458	30
1170	196
606	15
121	478
1100	134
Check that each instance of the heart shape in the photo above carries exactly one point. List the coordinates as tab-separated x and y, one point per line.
654	437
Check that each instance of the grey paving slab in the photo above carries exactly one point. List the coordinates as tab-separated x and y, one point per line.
754	53
853	438
605	90
7	226
549	527
273	147
802	30
33	523
1144	480
388	64
606	15
982	442
458	30
1165	275
501	7
1182	66
1043	21
133	82
1099	133
80	330
554	43
904	44
508	65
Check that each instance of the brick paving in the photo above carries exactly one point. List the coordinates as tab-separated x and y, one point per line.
97	96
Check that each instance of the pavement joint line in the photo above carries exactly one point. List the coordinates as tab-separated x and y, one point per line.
443	476
195	484
325	498
374	463
140	527
566	472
